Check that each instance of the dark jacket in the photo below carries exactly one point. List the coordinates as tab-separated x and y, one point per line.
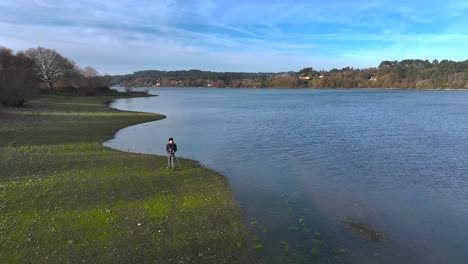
171	148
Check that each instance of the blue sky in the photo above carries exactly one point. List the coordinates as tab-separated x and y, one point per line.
256	36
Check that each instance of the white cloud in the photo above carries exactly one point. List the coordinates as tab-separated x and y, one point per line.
123	36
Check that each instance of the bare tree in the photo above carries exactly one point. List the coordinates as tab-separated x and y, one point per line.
50	66
89	72
91	81
18	82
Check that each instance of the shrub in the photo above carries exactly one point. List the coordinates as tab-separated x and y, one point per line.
18	83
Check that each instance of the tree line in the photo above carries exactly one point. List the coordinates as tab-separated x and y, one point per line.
24	74
405	74
184	78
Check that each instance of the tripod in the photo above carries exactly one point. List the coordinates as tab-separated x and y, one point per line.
177	159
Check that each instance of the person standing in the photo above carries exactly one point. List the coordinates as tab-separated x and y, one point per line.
171	149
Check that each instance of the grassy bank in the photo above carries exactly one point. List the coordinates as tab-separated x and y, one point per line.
66	198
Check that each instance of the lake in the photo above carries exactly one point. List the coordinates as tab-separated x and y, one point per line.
302	163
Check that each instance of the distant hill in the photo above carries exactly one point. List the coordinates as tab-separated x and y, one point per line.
405	74
184	78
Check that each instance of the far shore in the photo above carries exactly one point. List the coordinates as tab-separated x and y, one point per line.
295	88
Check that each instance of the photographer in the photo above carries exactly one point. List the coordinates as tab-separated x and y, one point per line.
171	149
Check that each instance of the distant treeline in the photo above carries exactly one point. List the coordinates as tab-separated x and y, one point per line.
186	78
405	74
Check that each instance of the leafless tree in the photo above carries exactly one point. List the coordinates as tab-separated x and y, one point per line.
18	82
50	66
91	81
89	72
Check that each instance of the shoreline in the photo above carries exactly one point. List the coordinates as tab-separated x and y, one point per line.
293	88
84	201
114	132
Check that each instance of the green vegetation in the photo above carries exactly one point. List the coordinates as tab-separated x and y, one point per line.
340	251
294	228
258	246
285	246
364	231
191	78
405	74
317	248
26	73
65	198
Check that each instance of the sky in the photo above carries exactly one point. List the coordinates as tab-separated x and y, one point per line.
123	36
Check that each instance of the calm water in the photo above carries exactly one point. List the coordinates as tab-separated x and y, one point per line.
309	159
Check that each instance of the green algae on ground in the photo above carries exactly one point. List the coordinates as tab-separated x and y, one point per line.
66	198
317	248
364	231
258	246
293	228
285	246
340	251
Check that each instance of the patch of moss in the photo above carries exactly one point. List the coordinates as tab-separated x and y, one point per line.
317	248
364	231
158	206
294	228
340	251
285	246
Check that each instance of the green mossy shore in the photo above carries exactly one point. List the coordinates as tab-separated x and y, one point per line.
65	198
